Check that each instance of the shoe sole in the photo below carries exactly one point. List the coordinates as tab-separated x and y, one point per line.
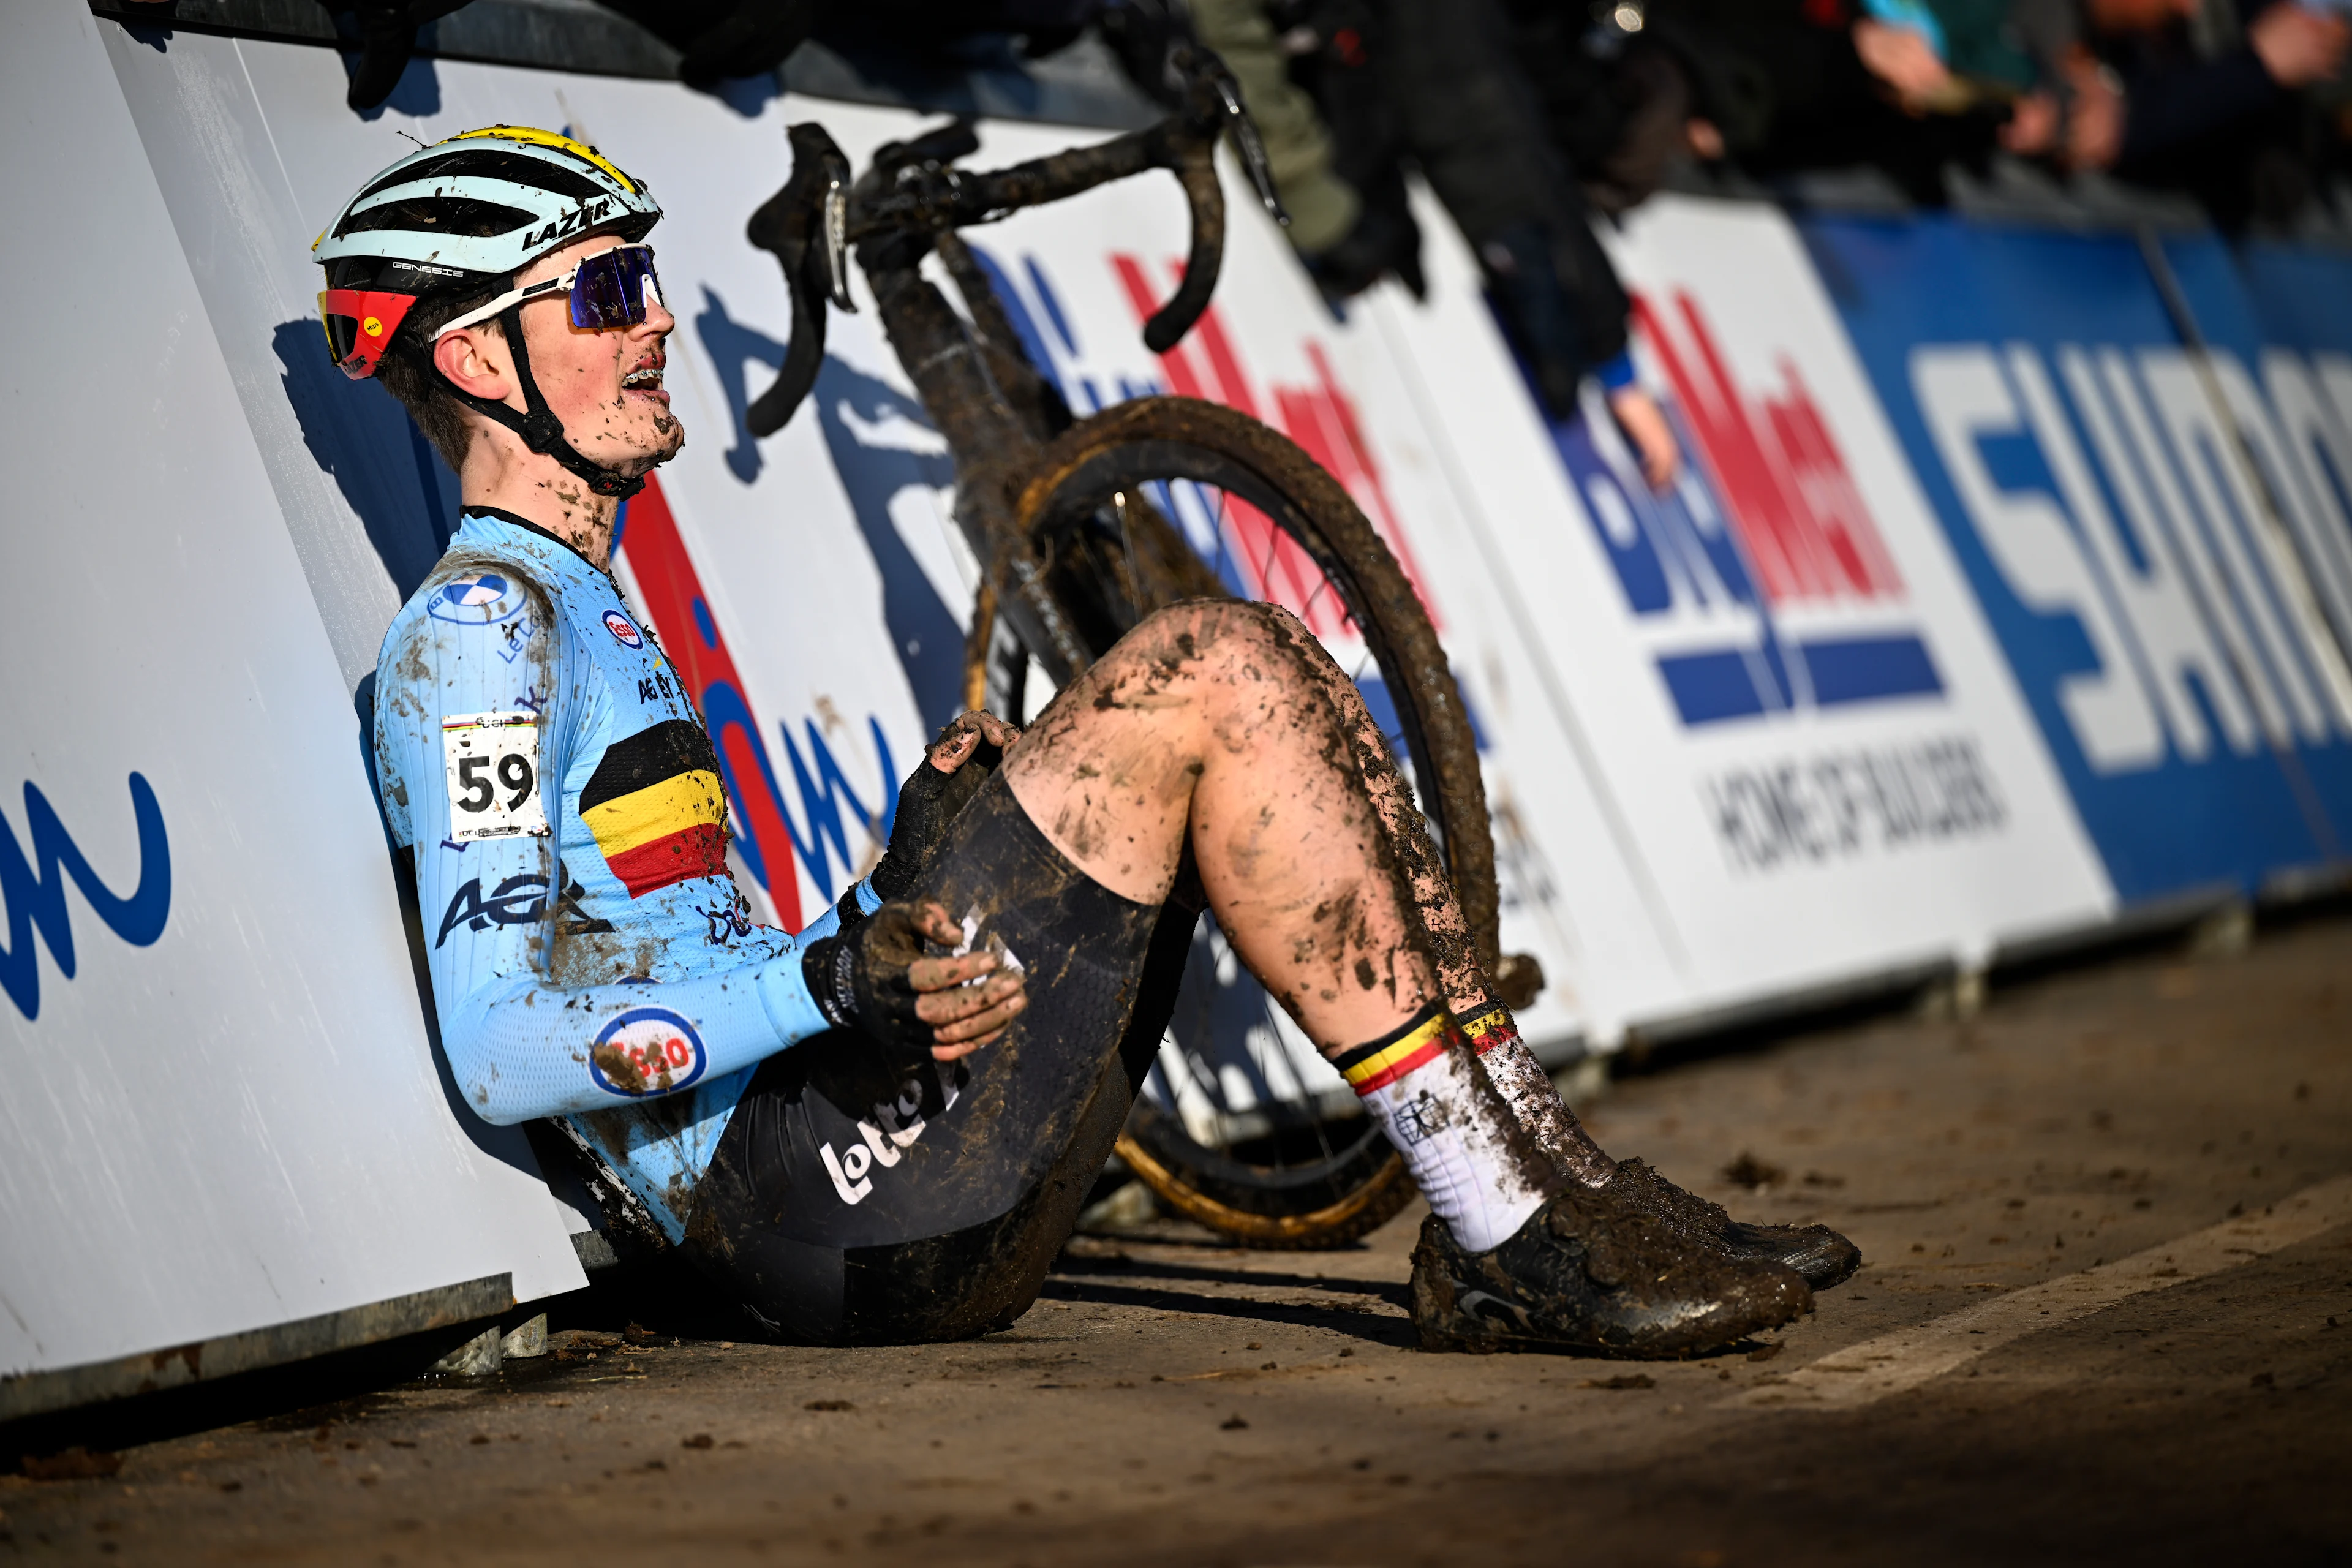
1443	1337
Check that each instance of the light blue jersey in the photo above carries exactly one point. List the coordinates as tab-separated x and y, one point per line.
591	959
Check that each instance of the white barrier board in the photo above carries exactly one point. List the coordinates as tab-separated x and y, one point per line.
222	1112
1797	713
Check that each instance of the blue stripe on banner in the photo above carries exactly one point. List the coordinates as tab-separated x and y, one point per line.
1708	686
1866	669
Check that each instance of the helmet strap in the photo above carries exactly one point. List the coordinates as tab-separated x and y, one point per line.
540	430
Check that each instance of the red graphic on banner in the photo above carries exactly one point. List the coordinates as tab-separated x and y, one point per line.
1785	483
689	635
1320	417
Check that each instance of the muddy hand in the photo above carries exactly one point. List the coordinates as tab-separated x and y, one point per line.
878	977
968	1000
963	735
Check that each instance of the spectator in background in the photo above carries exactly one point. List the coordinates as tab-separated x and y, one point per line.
1789	85
2197	95
1331	135
1437	83
1619	95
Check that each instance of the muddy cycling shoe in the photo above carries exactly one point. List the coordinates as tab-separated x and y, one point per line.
1820	1254
1591	1274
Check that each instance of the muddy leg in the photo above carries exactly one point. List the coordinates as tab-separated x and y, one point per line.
1206	721
1213	721
1524	1086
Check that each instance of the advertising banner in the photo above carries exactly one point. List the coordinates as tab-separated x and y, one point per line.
2157	538
1796	715
223	1113
812	585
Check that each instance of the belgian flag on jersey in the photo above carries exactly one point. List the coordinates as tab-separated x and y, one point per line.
657	808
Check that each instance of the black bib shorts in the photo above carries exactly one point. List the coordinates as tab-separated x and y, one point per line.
852	1203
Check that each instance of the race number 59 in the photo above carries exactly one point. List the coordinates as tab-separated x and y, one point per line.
493	762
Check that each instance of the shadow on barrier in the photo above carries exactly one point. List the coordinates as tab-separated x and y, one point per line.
882	444
404	498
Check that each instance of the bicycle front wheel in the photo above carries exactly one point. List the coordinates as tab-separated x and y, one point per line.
1242	1126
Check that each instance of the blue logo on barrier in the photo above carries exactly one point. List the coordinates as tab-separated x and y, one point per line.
1760	582
34	891
2160	545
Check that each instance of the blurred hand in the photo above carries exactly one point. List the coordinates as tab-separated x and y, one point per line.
1705	139
2095	129
2298	47
1902	58
1644	423
2032	127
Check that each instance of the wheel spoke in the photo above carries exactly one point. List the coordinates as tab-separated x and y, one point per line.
1136	583
1302	1095
1307	611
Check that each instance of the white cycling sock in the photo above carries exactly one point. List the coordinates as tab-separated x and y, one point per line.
1421	1084
1526	1088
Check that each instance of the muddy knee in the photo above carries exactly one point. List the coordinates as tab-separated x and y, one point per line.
1200	629
1198	625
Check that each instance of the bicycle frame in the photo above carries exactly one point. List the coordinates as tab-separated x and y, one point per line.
993	407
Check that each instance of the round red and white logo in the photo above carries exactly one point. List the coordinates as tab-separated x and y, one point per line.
645	1052
625	630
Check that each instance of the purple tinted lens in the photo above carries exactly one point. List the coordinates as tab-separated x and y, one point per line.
610	289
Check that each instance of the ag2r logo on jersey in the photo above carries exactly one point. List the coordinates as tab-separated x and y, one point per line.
1760	582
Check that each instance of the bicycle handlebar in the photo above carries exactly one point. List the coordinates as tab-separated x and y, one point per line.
813	207
914	192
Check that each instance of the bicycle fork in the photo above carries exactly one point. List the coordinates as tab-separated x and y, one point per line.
990	446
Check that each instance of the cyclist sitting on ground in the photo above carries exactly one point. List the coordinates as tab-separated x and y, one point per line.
882	1128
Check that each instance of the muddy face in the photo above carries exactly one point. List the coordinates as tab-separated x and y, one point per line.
605	384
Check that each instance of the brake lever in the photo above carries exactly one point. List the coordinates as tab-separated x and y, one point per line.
835	203
1246	141
805	227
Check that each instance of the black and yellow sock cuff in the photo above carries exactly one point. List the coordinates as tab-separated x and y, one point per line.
1414	1044
1488	1026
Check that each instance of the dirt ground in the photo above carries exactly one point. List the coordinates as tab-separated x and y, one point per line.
1170	1401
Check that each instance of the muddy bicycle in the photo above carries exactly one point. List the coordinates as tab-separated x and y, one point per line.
1083	527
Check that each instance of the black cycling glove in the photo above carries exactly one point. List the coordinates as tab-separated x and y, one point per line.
860	982
929	802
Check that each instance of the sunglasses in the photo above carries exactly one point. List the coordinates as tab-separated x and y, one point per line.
611	288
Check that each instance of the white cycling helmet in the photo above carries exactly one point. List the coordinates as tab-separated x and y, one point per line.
460	218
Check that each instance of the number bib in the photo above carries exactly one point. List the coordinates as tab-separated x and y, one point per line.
493	762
